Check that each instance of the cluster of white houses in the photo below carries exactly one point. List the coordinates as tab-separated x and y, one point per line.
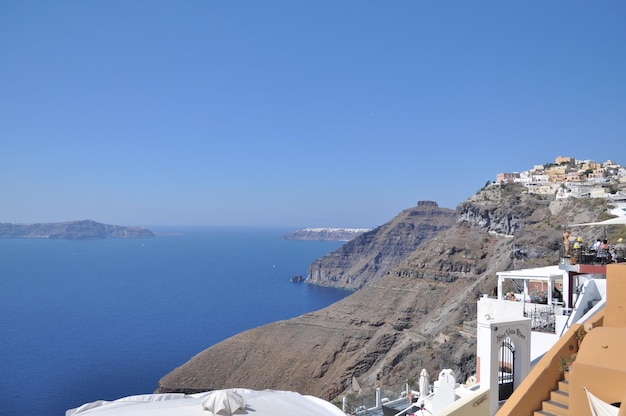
570	177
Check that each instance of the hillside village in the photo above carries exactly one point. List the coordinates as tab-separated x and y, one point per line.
569	177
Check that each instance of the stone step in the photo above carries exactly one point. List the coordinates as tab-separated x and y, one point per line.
543	413
560	396
556	408
558	405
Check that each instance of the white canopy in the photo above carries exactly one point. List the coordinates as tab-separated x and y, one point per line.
537	273
612	221
548	274
257	403
599	407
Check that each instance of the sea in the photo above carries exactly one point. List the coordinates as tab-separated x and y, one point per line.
82	321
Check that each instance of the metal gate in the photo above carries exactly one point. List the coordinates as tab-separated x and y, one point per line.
506	370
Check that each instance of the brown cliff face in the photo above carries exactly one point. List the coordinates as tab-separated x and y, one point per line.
386	332
372	335
368	257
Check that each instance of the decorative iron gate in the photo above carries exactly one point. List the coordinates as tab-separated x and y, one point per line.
543	318
506	370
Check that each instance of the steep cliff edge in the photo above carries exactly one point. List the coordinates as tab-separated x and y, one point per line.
369	256
411	318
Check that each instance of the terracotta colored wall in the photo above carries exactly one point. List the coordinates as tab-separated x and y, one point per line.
600	365
615	296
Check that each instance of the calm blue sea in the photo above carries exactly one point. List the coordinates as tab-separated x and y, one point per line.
88	320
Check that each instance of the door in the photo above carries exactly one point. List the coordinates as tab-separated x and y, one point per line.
506	370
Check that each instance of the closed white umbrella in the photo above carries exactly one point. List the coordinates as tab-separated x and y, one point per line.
224	402
424	384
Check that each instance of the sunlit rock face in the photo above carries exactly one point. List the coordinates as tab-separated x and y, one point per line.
369	256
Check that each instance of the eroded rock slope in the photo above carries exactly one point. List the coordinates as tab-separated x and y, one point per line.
419	314
367	258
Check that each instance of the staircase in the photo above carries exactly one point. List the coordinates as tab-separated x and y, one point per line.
558	405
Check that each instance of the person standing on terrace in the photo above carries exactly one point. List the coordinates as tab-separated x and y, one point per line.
566	242
604	254
596	245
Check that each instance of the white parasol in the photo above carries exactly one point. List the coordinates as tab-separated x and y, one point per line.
424	384
257	403
224	402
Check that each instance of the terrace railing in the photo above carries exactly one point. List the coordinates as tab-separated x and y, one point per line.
542	317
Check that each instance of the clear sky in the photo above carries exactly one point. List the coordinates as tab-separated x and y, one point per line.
295	113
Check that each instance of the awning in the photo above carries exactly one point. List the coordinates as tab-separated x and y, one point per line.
612	221
538	273
257	403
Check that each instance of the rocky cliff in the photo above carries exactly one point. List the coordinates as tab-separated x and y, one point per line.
418	314
72	230
369	256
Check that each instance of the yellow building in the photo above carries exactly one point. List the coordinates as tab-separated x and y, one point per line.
562	159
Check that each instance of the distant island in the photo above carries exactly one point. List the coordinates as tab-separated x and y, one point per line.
327	234
72	230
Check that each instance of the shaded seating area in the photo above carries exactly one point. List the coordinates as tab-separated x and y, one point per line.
603	251
584	255
548	277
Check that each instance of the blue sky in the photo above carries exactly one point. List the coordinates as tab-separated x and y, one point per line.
295	113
